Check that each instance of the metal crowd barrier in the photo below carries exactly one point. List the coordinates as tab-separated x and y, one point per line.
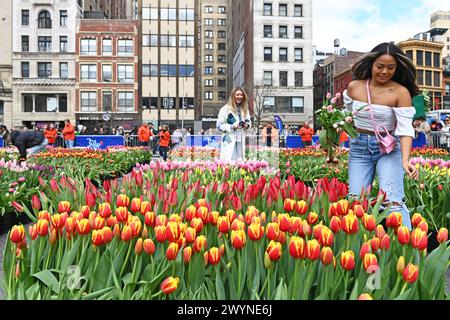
439	139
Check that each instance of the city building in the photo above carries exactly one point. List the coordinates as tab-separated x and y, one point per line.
319	55
105	9
319	83
107	70
43	57
6	62
446	82
169	60
272	57
427	56
440	30
342	79
212	67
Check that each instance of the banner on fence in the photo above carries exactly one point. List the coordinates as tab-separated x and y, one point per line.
99	142
2	143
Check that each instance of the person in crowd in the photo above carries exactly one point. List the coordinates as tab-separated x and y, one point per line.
202	132
79	129
5	134
284	134
120	131
269	135
445	135
306	133
84	131
384	82
33	140
113	131
50	134
144	135
69	134
343	138
233	122
164	141
421	125
154	138
189	131
177	137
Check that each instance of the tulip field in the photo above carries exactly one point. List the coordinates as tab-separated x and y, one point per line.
115	225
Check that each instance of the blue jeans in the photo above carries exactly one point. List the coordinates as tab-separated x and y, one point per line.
37	148
365	160
69	143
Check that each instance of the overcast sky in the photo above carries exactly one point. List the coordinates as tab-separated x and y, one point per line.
362	24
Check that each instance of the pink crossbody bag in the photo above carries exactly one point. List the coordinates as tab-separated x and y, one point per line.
386	143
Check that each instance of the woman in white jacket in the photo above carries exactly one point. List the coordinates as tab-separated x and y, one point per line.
232	122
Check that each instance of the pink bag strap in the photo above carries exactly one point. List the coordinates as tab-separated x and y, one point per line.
374	125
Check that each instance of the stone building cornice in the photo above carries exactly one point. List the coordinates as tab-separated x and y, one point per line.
43	82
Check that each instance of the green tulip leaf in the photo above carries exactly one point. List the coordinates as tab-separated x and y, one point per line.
48	279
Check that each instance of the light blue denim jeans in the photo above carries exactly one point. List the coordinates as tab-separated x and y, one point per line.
70	143
37	148
365	160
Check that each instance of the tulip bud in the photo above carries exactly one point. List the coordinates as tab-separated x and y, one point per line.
289	205
403	235
122	200
213	217
394	220
127	234
416	219
238	239
63	206
272	231
326	255
169	285
149	246
122	214
419	239
237	225
385	242
172	251
411	273
312	218
135	205
284	221
116	231
296	225
442	235
35	202
347	260
197	223
150	218
267	261
104	210
369	222
255	232
107	235
312	249
138	246
326	237
97	238
187	254
83	226
53	237
44	215
423	225
365	296
17	234
380	232
370	263
32	230
160	233
349	224
342	207
85	211
400	265
274	250
213	256
200	243
223	224
335	224
146	206
190	212
301	207
173	231
365	249
359	211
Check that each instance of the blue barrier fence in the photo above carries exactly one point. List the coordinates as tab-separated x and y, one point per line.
2	143
99	142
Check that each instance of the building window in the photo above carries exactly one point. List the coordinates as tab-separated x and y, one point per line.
89	101
221	22
267	9
149	70
221	58
125	73
209	22
298	32
209	46
208	58
447	89
298	79
107	47
428	75
2	108
419	54
168	70
283	32
209	33
146	40
298	10
63	70
186	41
269	104
267	54
125	48
168	41
283	10
436	60
428	58
208	95
420	77
298	105
267	31
187	14
44	20
283	54
150	13
44	69
221	34
63	18
107	73
25	67
221	83
125	103
409	54
107	101
222	95
208	9
437	78
186	70
222	46
267	78
209	70
168	14
221	9
208	83
63	44
298	55
25	17
25	43
283	78
45	44
88	47
88	72
222	71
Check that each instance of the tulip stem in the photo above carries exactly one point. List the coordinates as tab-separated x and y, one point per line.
126	259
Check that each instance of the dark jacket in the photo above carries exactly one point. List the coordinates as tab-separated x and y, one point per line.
26	139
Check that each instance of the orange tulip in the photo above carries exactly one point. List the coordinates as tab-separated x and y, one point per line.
379	231
214	256
400	265
297	247
238	239
58	221
349	224
202	213
17	234
274	250
85	211
53	237
127	234
200	244
135	205
423	225
172	251
312	218
306	229
122	200
301	207
284	221
365	249
136	227
416	219
173	231
122	214
312	249
161	220
190	234
42	227
326	255
394	220
223	224
255	232
359	211
160	233
296	225
97	238
332	212
237	225
335	224
213	217
411	273
99	223
104	210
272	231
370	262
150	218
442	235
348	260
365	296
369	222
116	231
190	213
169	285
326	237
107	235
342	207
83	226
289	205
187	254
403	235
146	206
44	215
63	206
149	246
197	224
419	239
385	242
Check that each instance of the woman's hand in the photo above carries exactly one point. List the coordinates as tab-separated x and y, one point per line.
411	170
